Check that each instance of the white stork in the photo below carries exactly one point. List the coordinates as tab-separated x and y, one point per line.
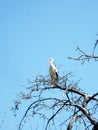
53	72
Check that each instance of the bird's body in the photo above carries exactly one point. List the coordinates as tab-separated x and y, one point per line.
53	72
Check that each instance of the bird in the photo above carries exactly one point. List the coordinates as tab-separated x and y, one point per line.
53	71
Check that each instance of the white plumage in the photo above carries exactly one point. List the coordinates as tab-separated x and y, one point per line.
53	72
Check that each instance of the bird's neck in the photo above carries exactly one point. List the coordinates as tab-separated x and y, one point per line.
51	63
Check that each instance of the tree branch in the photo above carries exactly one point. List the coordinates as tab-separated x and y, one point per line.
83	56
72	121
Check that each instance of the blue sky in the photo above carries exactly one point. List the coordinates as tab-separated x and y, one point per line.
31	32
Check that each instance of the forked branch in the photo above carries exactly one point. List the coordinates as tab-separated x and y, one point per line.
83	56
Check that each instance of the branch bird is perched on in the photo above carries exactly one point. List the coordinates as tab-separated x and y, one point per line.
53	72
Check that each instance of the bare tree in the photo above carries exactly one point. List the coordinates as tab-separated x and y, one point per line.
49	102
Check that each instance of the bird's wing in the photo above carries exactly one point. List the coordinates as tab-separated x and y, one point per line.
53	73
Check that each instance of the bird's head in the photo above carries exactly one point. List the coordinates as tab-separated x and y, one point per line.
51	60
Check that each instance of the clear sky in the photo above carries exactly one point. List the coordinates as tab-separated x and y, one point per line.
32	31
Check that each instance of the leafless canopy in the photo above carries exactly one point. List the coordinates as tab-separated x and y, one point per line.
62	106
